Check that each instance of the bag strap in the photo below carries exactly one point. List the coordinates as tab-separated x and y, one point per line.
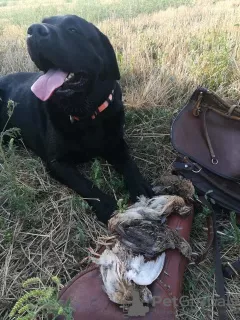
220	289
222	108
200	257
208	139
218	105
187	165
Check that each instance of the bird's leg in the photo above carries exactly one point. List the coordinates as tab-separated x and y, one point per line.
104	241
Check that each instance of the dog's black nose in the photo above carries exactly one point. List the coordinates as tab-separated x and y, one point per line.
38	29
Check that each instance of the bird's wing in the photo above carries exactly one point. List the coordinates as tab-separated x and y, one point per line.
144	273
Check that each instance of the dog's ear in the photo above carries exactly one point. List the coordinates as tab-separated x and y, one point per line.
111	70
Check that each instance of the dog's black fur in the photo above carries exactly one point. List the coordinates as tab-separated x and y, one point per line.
73	45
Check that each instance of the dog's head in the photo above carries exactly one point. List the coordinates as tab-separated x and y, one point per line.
71	52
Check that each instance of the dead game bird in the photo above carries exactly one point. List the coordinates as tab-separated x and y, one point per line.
155	208
172	184
122	273
150	239
136	257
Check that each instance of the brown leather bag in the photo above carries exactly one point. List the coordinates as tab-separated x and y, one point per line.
207	135
89	301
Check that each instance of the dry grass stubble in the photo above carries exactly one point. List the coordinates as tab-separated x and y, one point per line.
45	228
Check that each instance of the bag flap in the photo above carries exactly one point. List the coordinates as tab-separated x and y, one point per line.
188	135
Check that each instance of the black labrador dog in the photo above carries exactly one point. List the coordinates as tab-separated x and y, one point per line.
72	110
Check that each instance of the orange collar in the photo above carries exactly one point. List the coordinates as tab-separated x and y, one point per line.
101	108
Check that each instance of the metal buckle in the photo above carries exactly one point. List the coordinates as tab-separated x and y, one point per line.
71	119
199	169
214	161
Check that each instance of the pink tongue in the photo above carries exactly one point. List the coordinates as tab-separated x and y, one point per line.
47	83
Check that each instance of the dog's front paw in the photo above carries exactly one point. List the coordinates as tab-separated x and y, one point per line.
104	208
138	188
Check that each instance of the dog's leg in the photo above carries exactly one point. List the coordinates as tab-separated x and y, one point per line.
121	160
101	203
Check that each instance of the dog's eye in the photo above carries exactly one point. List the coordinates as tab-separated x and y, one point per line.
72	30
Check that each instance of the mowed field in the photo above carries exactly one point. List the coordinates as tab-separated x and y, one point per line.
165	48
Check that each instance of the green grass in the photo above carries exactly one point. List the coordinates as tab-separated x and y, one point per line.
39	301
92	10
211	61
